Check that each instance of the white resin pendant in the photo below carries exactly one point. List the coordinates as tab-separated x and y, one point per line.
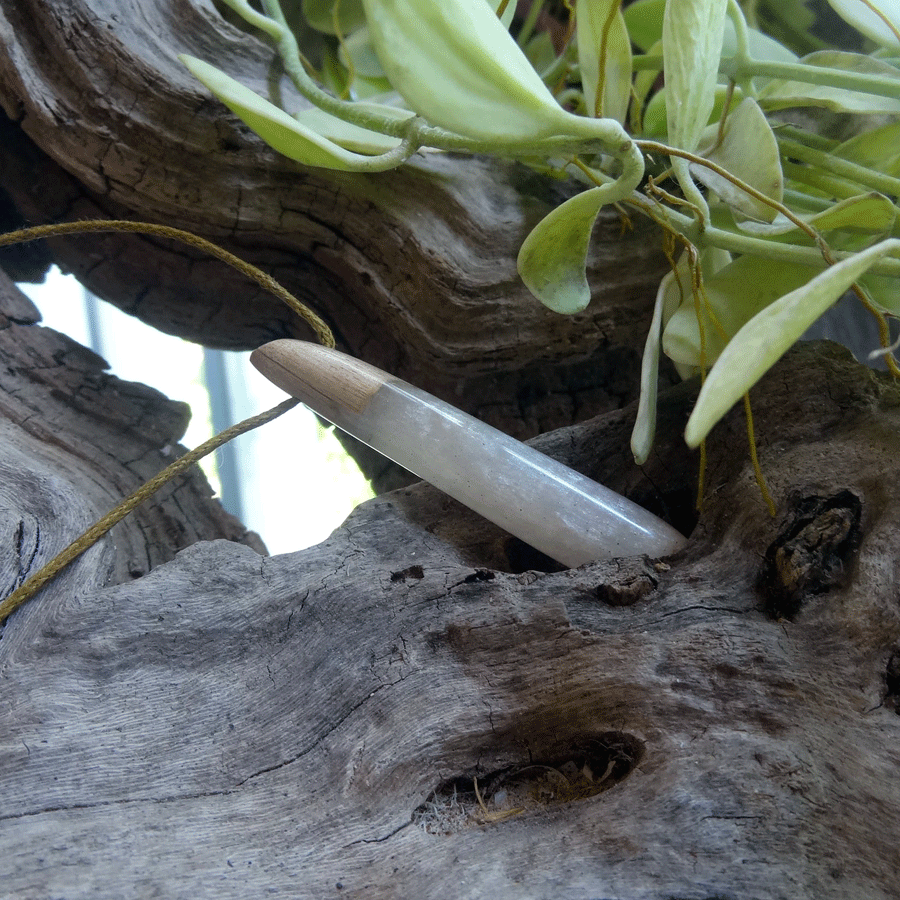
557	510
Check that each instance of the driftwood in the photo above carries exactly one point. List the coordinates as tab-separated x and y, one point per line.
421	706
718	724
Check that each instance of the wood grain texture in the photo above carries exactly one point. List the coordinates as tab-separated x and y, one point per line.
232	726
414	269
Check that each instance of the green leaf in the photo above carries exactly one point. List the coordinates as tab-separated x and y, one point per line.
867	21
553	258
540	51
675	290
779	94
456	65
335	79
878	149
669	296
358	55
644	430
769	334
319	14
734	294
644	19
872	213
345	134
606	81
279	130
746	127
884	291
692	45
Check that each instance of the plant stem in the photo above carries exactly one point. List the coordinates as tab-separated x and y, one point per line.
868	178
820	181
742	47
730	67
809	138
289	51
749	11
825	76
527	28
734	242
804	201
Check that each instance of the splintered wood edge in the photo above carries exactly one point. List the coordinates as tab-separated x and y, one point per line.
313	373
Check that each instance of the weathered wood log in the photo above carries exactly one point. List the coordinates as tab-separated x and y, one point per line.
414	269
420	706
718	724
75	441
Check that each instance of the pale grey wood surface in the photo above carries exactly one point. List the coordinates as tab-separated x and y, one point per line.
234	726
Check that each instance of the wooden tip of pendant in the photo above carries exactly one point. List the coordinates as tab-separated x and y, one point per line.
313	373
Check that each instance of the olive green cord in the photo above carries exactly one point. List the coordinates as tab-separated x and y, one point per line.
49	571
90	537
93	226
754	458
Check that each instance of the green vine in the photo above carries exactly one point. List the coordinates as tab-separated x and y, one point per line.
797	216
